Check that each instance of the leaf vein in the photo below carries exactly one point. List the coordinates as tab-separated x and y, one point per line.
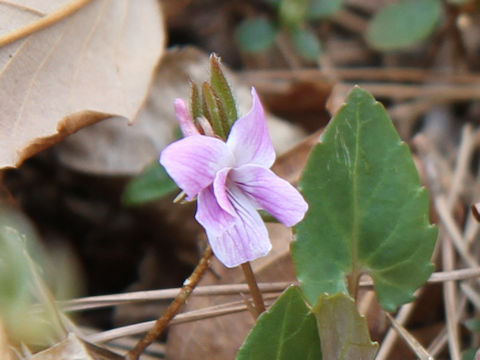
23	7
395	229
84	46
33	80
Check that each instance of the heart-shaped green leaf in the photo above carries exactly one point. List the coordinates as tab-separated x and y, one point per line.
368	212
286	331
403	24
343	331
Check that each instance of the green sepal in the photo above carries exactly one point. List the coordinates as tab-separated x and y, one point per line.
213	111
195	101
220	85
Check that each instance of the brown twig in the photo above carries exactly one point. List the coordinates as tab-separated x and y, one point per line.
453	231
452	238
413	343
96	302
254	290
162	323
285	49
351	21
449	295
437	345
390	338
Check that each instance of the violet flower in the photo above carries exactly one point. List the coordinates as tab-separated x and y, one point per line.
231	181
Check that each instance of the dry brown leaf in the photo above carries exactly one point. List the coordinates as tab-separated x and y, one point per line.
67	64
74	348
111	147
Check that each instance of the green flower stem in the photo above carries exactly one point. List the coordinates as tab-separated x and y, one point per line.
254	290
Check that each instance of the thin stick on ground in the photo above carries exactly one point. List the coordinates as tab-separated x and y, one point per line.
97	302
451	237
254	290
437	345
162	323
189	316
392	335
413	343
450	297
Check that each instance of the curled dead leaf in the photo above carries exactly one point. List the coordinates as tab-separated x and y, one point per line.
67	64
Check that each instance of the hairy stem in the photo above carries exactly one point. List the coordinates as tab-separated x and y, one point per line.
254	290
182	296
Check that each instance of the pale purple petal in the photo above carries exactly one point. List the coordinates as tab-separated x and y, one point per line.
210	215
193	162
271	193
249	139
234	239
184	119
221	191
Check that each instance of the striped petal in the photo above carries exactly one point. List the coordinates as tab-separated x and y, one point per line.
193	162
249	140
184	119
235	239
271	193
221	191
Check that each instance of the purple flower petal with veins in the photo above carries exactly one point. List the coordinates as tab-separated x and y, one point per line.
184	119
231	181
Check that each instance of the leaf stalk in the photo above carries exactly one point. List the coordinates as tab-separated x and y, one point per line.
254	290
